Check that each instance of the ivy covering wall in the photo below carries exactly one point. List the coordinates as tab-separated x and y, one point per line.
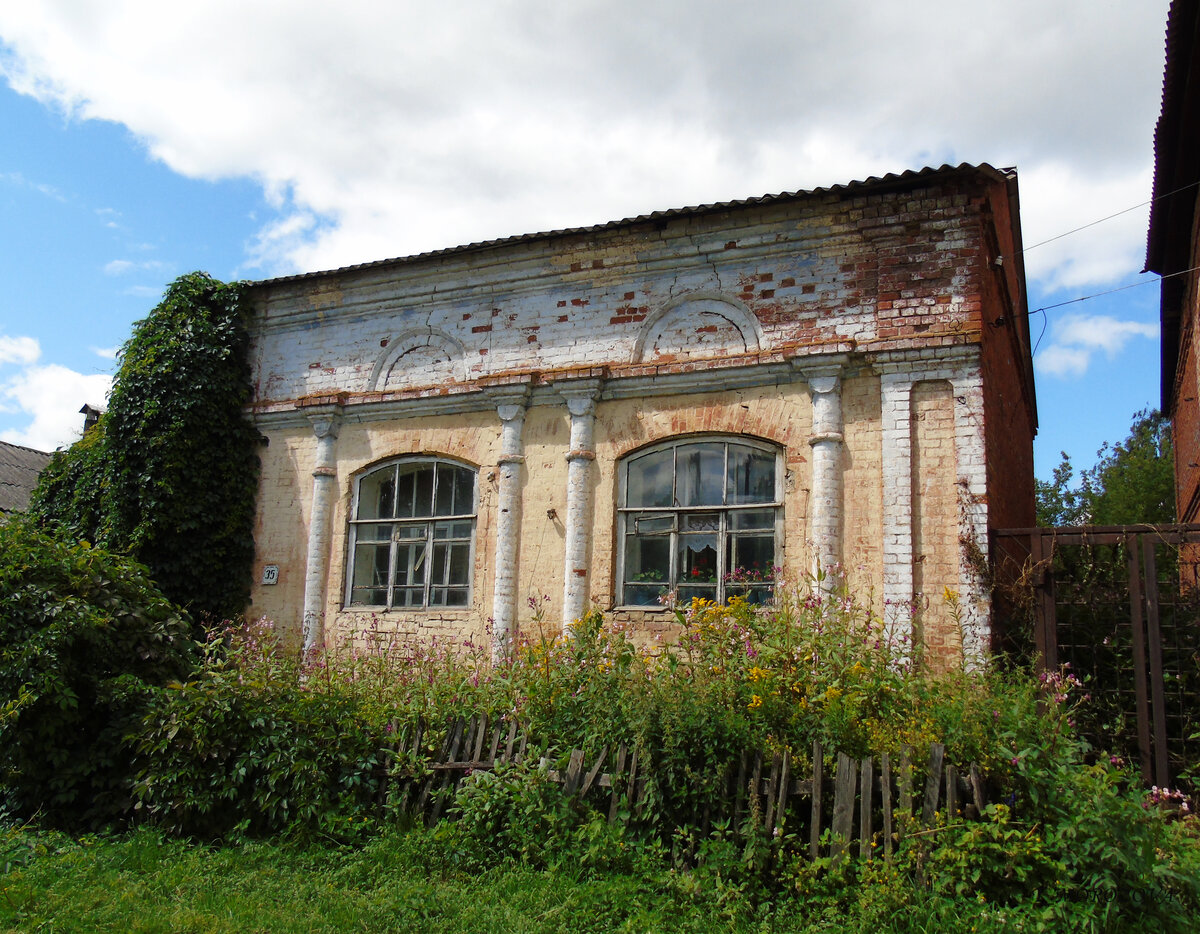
170	473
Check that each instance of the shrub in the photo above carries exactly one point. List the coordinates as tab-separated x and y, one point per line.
247	747
84	637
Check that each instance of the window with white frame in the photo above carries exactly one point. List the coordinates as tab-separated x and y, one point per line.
699	517
412	534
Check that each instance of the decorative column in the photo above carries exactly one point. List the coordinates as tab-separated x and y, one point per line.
316	570
511	409
581	405
825	511
895	388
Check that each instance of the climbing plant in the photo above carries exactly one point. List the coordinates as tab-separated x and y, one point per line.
169	476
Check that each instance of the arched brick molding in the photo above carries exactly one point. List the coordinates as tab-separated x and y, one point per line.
699	324
419	358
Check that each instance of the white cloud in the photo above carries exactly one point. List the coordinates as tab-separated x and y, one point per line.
1076	339
23	350
105	353
51	396
383	129
118	267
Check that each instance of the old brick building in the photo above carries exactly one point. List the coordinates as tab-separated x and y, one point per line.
678	402
1173	249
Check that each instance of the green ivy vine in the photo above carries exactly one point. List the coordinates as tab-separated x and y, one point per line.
169	475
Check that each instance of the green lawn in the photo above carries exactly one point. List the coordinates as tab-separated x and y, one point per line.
398	882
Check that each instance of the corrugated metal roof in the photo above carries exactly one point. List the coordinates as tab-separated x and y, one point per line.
19	469
853	187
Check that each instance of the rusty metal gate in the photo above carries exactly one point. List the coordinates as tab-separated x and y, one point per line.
1121	606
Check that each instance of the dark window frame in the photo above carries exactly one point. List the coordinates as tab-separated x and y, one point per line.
751	525
438	542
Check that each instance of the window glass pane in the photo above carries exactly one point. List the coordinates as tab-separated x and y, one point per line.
750	559
438	573
649	479
648	525
685	595
410	563
700	521
373	533
752	519
448	596
647	569
369	583
405	484
377	494
408	596
459	571
700	474
697	559
751	475
455	490
464	491
412	531
456	530
423	491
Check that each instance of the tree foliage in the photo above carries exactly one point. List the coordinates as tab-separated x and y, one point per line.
1132	481
170	473
83	635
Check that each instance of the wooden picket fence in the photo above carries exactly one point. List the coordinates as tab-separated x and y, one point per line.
866	804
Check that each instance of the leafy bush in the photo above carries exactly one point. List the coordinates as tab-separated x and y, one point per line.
84	637
245	748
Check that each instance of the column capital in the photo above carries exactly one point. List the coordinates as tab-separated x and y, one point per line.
510	401
580	395
326	423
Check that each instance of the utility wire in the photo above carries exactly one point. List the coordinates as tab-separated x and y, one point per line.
1111	216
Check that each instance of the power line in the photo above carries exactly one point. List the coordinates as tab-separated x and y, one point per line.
1111	216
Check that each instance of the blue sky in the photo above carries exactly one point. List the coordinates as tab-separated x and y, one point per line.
140	142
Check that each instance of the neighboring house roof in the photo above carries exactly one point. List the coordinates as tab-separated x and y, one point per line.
874	183
19	469
1176	174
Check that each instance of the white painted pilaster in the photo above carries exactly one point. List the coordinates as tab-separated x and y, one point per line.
511	409
580	397
827	443
896	414
316	571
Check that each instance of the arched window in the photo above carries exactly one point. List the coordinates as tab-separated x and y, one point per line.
700	517
412	534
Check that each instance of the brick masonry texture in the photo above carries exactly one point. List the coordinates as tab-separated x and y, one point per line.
712	321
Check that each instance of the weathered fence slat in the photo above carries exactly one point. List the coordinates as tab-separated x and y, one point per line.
843	804
818	778
785	780
933	783
439	799
866	811
977	790
885	789
574	772
771	792
595	771
614	783
951	792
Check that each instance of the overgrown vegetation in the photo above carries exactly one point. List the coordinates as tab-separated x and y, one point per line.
169	474
85	637
250	745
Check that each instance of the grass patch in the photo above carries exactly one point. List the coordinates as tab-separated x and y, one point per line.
401	881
